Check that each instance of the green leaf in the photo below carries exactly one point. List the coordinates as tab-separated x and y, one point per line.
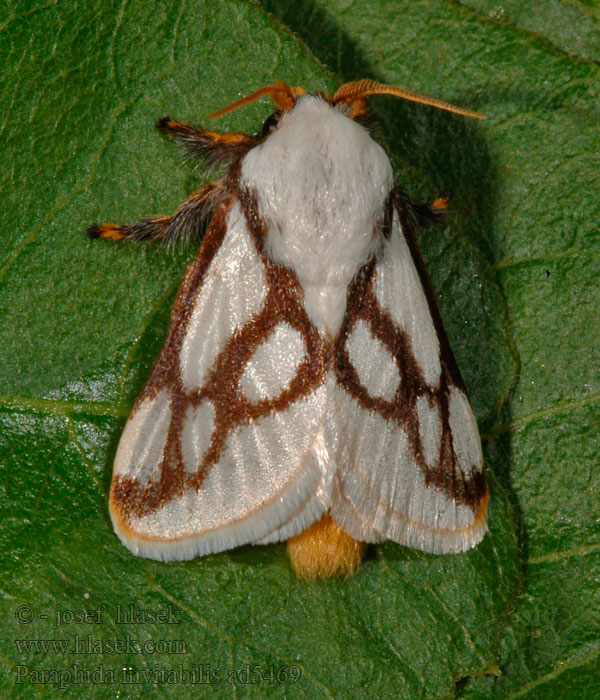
515	269
570	27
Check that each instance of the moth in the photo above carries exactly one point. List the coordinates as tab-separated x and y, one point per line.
306	390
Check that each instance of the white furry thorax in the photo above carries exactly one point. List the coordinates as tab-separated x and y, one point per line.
321	184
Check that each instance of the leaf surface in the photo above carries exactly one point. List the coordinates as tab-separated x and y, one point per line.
515	268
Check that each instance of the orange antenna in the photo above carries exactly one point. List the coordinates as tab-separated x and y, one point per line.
281	93
359	89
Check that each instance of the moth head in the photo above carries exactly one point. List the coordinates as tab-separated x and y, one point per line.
352	97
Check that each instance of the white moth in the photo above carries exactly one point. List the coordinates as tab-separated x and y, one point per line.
306	389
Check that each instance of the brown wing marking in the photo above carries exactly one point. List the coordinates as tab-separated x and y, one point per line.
363	304
283	302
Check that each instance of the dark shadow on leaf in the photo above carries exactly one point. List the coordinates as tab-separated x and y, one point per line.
323	36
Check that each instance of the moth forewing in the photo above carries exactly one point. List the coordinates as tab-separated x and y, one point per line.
182	488
306	389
